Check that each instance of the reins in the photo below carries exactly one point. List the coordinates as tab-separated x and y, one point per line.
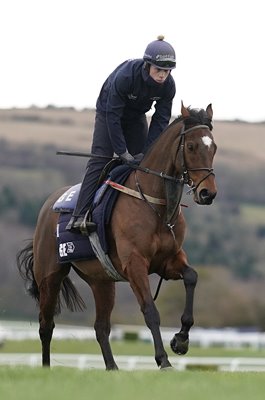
152	172
183	177
148	170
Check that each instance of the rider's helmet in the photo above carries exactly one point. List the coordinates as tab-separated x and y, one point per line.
160	54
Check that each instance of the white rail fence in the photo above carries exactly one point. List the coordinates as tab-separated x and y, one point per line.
129	363
229	338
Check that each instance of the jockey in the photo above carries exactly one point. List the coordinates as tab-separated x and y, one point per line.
121	126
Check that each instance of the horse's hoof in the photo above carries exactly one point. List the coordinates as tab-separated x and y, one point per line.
180	344
112	367
167	369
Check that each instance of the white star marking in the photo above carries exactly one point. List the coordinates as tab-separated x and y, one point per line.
207	141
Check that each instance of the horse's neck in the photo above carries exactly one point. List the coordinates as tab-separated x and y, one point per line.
162	158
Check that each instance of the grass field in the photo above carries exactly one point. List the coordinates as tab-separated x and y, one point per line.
65	383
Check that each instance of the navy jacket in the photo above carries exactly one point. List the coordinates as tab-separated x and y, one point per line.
129	92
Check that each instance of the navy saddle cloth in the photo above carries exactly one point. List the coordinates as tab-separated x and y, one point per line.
75	246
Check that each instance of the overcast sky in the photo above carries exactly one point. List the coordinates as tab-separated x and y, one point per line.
60	51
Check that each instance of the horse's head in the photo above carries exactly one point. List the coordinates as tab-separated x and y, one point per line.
197	149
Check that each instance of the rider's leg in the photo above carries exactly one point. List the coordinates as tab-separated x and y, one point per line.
101	146
86	195
135	132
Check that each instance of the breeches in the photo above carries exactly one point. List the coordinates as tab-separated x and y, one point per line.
135	133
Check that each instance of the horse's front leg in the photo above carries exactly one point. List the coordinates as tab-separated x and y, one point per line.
180	342
139	281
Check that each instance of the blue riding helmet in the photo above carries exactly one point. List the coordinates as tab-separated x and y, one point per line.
160	54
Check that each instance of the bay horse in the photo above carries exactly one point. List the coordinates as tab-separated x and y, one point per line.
145	237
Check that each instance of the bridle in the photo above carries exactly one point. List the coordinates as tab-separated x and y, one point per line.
184	170
184	175
174	185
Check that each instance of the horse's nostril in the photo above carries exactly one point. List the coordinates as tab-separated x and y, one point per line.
204	194
206	197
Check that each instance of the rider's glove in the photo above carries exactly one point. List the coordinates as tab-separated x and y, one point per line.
138	157
127	156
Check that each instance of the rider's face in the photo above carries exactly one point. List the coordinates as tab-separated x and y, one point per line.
159	75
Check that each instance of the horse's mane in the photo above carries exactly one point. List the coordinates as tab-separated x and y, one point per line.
198	116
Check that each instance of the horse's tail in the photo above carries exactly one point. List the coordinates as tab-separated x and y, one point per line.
71	297
25	259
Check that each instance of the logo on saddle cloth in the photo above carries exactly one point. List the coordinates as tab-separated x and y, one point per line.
66	248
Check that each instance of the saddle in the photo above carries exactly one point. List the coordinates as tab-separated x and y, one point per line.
73	246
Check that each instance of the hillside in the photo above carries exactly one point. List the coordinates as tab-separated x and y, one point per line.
68	128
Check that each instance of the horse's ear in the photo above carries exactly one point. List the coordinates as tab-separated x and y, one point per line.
209	111
184	111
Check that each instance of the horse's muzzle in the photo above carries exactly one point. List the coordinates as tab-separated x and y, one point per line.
205	197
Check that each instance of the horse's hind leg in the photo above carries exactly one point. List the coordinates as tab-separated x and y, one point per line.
49	294
104	294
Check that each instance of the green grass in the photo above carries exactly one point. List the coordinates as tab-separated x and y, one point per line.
65	383
122	348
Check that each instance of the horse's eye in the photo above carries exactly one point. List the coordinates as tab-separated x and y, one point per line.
190	146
